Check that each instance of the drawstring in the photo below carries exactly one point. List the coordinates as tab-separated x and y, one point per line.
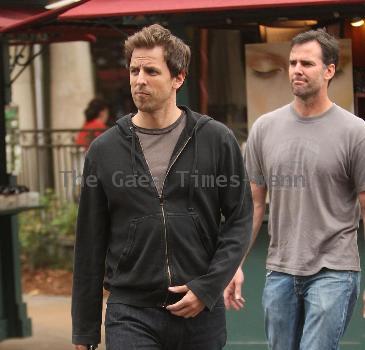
193	170
133	151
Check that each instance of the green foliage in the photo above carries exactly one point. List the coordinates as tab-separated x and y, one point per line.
47	235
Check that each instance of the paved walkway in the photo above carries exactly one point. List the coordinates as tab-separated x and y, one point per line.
51	323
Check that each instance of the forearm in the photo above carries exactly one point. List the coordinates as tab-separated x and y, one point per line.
231	246
232	294
258	217
232	242
259	208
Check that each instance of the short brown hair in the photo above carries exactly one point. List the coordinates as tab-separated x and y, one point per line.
328	43
176	52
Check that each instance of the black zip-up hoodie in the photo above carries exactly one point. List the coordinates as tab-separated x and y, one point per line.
139	243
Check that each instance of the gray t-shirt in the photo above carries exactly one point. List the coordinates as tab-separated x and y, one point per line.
158	146
314	169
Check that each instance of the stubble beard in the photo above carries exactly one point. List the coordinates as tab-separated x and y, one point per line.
143	104
304	92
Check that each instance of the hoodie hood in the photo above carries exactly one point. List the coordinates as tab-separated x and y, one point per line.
194	122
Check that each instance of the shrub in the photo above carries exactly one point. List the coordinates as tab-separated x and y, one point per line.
47	235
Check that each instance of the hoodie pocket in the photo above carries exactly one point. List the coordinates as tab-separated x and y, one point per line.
141	259
190	249
204	238
129	243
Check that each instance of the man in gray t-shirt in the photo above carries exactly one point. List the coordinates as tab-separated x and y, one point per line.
310	157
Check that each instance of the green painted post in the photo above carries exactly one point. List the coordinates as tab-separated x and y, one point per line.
3	181
3	320
13	318
13	309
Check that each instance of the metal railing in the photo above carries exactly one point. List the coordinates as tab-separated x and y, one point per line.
49	158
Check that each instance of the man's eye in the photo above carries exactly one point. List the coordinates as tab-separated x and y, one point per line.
133	71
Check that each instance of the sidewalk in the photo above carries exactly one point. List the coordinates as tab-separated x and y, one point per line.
51	321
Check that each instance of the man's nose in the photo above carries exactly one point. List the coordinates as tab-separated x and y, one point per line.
298	68
141	78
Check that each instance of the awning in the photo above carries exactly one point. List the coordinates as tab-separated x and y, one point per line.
13	18
114	8
16	18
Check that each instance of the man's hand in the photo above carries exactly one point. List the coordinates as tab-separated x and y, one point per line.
80	347
232	294
189	306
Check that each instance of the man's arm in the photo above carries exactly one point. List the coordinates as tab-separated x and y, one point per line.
232	294
259	207
233	238
89	261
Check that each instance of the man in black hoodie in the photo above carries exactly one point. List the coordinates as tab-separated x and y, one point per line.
150	228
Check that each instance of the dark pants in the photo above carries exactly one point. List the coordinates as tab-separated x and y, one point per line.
128	328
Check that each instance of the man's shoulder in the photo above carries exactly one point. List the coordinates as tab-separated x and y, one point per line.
274	116
280	112
351	127
348	118
104	140
218	127
209	124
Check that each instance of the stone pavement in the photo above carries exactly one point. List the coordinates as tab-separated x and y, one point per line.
51	321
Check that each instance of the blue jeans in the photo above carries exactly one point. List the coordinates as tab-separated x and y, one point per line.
311	312
129	327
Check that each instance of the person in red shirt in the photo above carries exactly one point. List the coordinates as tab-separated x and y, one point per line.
96	114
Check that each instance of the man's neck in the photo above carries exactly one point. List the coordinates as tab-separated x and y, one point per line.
313	106
158	119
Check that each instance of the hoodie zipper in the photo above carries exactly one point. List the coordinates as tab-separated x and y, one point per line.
164	218
160	196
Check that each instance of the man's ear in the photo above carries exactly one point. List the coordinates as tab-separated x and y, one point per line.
330	71
179	80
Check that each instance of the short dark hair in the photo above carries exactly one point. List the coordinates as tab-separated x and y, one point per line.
328	43
95	106
176	52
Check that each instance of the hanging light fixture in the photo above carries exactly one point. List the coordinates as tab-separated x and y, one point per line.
61	3
357	22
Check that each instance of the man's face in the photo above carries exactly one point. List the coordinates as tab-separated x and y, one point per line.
307	73
152	86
